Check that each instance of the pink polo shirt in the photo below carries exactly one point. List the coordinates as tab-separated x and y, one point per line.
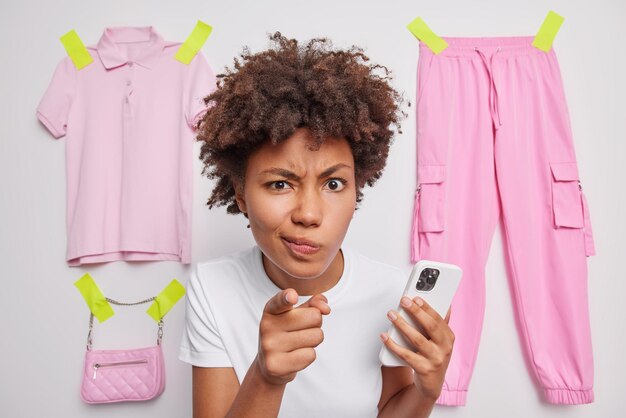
128	120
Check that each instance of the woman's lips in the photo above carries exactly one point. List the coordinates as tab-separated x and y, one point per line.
300	246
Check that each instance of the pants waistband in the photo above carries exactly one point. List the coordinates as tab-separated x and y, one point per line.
507	46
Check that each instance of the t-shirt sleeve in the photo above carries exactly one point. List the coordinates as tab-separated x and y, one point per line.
201	343
201	83
54	107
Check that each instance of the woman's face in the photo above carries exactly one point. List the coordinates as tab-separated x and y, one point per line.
299	203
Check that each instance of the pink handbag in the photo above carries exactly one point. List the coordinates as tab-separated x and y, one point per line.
123	375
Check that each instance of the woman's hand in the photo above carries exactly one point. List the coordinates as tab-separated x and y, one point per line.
288	335
432	351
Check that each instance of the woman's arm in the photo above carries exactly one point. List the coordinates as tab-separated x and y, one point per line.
214	390
217	394
399	397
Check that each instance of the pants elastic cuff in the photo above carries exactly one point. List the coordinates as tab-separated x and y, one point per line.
452	397
568	397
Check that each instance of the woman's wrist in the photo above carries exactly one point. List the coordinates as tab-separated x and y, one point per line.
256	396
261	378
428	396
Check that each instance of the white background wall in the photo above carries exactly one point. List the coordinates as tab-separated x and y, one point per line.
43	319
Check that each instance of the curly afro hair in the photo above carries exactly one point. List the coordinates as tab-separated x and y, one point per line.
270	94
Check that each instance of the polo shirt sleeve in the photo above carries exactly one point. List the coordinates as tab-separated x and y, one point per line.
201	343
200	83
54	108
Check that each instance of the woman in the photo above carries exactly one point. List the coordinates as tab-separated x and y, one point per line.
289	327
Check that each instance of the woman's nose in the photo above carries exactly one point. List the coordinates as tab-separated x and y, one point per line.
308	209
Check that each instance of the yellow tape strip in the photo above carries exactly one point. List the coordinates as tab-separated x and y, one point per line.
422	32
166	300
96	301
547	32
194	42
76	49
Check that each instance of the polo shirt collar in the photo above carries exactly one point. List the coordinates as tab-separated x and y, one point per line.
112	56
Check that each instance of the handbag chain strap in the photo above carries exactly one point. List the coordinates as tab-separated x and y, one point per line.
114	302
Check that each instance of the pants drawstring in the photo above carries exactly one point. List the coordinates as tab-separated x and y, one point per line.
493	90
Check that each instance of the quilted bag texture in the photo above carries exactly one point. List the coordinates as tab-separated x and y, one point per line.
123	375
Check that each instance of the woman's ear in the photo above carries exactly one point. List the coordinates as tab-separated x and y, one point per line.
239	197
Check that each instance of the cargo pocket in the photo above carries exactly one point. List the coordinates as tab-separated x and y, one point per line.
569	205
432	198
566	196
428	210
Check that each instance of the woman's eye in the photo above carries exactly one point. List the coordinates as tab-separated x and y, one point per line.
336	184
278	185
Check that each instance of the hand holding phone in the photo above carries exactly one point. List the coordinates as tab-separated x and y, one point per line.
435	283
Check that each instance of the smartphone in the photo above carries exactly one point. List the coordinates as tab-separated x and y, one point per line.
434	282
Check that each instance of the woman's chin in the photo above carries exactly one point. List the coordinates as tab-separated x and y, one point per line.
302	271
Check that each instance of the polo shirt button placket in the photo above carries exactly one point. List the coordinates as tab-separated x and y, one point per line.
129	90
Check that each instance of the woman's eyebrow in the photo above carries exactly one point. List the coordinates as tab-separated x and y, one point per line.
281	172
331	170
293	176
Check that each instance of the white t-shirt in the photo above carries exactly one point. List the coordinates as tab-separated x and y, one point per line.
225	301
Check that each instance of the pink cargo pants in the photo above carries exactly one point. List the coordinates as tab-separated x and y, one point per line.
494	138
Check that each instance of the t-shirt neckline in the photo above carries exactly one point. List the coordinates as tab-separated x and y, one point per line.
331	294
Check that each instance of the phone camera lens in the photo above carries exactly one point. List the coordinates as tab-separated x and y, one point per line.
427	280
